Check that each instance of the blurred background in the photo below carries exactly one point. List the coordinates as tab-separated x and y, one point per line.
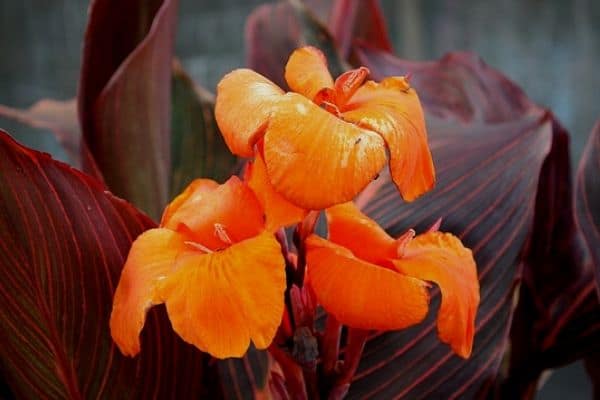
550	48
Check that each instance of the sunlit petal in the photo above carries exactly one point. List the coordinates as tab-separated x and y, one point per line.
151	258
316	160
306	72
220	301
216	218
393	109
244	102
360	294
279	212
441	258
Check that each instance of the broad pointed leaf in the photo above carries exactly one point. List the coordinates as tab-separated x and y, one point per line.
587	199
124	97
63	242
274	31
197	146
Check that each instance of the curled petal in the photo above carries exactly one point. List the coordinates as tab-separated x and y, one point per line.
219	217
393	109
279	212
353	230
360	294
151	258
306	72
220	301
244	102
316	160
193	194
441	258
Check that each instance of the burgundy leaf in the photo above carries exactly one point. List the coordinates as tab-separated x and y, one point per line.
63	242
197	146
124	97
273	31
557	318
587	198
487	174
358	20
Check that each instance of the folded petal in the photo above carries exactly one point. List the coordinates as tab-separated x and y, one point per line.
244	102
193	194
279	212
350	228
393	109
219	217
306	72
441	258
316	160
220	301
360	294
151	258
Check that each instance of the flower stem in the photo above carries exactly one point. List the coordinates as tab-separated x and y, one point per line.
330	345
293	373
354	349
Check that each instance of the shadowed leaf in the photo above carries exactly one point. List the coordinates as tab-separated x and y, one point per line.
197	147
63	242
124	97
587	198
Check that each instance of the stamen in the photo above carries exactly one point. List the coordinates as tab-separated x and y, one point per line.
403	241
222	234
199	246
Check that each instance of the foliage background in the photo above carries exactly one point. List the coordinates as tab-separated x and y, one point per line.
548	47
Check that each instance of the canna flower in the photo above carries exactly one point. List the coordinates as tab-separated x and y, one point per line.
215	267
368	280
326	140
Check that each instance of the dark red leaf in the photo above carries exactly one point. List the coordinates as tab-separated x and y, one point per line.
587	198
557	320
489	143
273	31
63	242
124	97
351	21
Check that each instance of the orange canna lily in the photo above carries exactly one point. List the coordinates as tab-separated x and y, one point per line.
326	140
215	267
368	280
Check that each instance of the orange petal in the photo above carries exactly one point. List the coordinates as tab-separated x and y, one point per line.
393	109
244	102
194	193
353	230
316	160
442	258
279	212
151	258
360	294
219	217
306	72
220	301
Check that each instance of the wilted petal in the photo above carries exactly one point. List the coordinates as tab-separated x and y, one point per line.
306	72
151	258
279	212
216	218
244	102
316	160
220	301
360	294
393	109
441	258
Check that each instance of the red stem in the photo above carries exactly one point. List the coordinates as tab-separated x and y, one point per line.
292	372
330	345
354	349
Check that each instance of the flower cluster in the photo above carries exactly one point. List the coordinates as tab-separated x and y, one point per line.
217	260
